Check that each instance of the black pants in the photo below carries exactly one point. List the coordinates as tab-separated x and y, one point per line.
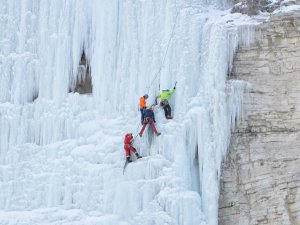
167	109
142	114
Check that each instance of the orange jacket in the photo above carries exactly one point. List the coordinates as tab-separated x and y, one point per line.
142	102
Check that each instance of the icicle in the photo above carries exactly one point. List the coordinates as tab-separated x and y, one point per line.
248	35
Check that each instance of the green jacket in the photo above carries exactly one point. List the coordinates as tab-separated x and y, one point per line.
165	95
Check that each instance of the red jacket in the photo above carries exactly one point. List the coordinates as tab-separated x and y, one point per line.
128	139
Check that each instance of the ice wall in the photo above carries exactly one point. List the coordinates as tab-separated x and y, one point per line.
60	151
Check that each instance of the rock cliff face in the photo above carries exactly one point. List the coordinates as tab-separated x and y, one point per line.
254	7
261	175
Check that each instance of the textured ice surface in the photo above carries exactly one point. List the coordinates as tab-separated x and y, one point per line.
61	154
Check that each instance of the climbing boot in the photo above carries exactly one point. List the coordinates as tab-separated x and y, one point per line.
128	160
138	156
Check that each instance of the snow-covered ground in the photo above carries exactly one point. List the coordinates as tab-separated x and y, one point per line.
61	156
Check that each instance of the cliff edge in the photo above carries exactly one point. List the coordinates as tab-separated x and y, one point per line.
261	175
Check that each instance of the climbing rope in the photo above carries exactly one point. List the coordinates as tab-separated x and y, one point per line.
164	58
135	136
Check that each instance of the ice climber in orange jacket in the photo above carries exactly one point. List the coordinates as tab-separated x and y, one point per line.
143	106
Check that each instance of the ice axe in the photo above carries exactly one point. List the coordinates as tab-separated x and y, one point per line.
175	85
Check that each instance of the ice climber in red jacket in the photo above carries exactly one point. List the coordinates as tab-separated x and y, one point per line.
128	141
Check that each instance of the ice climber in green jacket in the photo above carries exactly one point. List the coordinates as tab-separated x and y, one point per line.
164	96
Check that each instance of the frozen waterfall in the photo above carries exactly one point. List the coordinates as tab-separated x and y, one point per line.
61	153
